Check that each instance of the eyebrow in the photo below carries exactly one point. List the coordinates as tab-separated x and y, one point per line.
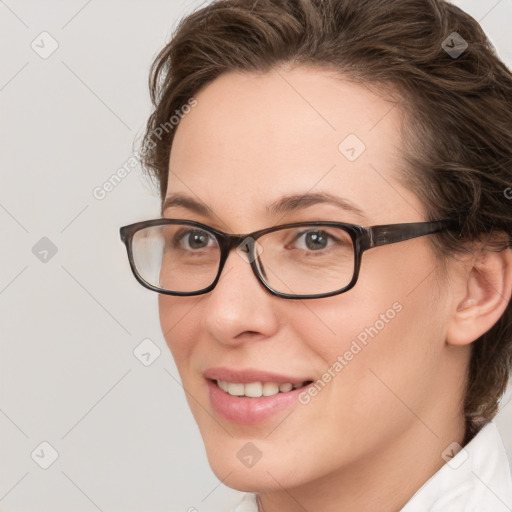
186	202
286	204
296	202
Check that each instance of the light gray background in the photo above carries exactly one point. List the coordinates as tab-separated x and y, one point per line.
125	438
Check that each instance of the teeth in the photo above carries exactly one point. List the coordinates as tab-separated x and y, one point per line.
270	388
256	389
236	389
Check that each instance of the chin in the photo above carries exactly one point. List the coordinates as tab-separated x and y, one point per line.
235	468
250	479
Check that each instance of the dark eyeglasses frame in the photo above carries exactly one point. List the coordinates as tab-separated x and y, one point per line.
362	239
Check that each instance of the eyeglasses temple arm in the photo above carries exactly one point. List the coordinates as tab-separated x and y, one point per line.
392	233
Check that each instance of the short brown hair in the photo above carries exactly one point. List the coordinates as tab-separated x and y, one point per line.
457	132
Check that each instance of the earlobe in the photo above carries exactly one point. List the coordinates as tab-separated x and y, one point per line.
486	291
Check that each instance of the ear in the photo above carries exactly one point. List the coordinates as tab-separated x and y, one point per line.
485	290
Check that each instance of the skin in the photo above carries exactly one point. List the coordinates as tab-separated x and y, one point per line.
376	432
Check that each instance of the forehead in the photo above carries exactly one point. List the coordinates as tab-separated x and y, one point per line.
253	138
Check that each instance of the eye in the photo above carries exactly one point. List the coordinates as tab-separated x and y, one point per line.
192	239
314	240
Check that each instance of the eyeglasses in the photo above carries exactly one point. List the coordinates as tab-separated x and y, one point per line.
304	260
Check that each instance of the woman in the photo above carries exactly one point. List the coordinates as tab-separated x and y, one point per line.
331	366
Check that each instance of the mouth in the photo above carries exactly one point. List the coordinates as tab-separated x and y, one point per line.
258	389
252	397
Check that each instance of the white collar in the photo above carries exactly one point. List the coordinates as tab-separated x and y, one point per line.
476	479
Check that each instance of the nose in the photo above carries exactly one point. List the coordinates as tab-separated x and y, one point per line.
239	308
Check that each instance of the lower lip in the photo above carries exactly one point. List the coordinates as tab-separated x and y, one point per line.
249	411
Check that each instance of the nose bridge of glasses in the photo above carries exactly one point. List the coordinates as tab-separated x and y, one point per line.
244	246
241	243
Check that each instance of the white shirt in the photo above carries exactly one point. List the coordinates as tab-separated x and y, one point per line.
476	479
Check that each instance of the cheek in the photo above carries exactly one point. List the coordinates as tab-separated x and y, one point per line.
383	336
177	326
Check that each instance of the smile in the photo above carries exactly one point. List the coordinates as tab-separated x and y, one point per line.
249	397
257	389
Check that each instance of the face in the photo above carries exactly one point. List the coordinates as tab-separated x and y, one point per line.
250	141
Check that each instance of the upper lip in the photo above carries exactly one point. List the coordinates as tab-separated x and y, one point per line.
250	375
